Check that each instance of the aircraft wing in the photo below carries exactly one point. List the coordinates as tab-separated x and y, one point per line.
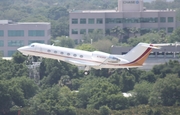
82	63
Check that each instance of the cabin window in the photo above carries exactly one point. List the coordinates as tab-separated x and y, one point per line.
49	50
74	55
32	45
68	54
62	53
55	51
81	56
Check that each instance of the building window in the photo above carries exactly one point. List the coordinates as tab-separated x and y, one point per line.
90	21
1	33
130	20
82	31
110	20
1	43
118	20
170	19
74	31
81	56
11	52
35	41
170	29
74	21
148	20
99	20
15	43
90	30
162	19
15	33
36	33
152	55
169	54
83	21
160	54
163	28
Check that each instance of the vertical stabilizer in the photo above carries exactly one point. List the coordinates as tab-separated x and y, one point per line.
138	54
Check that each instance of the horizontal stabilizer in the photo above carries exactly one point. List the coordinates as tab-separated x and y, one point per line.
151	46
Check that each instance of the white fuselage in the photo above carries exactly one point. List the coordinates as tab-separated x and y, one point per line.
94	59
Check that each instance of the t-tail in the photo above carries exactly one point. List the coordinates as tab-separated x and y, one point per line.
138	55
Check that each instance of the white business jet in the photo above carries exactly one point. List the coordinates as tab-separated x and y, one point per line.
96	59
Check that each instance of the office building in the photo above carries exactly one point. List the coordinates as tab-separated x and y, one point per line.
129	14
14	35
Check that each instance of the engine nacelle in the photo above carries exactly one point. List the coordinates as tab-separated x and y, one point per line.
99	56
113	59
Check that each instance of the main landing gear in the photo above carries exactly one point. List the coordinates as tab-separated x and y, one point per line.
86	70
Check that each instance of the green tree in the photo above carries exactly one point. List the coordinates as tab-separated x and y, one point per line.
87	47
57	12
18	58
60	27
175	36
54	100
166	91
104	110
141	92
64	42
105	47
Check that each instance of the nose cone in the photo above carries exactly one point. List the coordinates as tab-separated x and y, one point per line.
20	49
23	50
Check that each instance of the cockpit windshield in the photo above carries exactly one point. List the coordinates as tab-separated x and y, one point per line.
113	59
31	45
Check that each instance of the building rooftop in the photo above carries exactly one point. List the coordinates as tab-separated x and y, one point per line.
11	22
111	11
33	23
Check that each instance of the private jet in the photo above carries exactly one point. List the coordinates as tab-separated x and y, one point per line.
96	59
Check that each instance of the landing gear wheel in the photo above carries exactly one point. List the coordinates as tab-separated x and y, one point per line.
86	72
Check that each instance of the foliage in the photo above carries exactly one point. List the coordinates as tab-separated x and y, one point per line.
175	36
18	58
147	38
104	110
99	93
64	41
142	92
54	100
16	92
166	91
87	47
